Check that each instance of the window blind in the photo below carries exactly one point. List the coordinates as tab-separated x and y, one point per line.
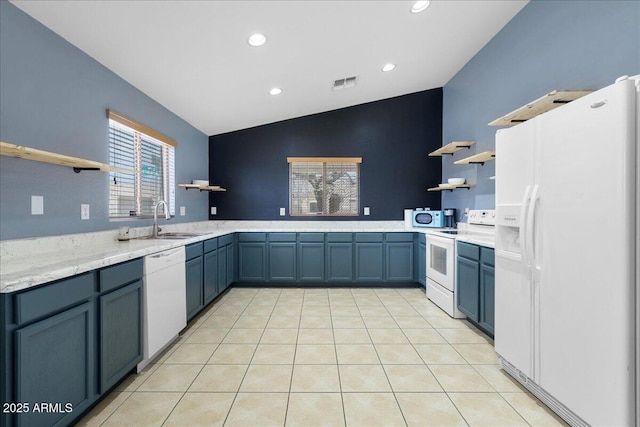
152	172
324	186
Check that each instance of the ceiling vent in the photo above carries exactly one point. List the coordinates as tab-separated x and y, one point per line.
345	83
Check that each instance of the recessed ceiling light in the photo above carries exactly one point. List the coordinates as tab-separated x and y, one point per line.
419	6
388	67
257	39
275	91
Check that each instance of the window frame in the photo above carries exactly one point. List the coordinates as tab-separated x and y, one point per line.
357	161
141	135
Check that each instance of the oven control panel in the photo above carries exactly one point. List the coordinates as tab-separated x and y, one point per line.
485	217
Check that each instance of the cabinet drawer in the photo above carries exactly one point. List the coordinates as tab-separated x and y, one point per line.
210	245
469	251
369	237
282	237
252	237
311	237
121	274
339	237
225	240
487	256
193	250
422	238
51	298
399	237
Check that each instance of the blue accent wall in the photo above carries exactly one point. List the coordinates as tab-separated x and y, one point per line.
54	97
393	137
549	45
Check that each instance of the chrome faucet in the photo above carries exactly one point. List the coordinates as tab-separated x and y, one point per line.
156	229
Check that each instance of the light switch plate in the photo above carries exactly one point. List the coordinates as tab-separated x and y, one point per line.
37	205
84	211
214	210
183	211
283	212
367	211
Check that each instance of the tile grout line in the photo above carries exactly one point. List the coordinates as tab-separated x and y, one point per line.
235	397
295	350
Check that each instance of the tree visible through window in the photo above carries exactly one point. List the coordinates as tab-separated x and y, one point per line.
324	186
145	162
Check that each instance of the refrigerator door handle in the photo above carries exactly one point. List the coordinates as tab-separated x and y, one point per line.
535	196
523	227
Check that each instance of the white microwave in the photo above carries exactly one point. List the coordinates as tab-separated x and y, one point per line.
429	219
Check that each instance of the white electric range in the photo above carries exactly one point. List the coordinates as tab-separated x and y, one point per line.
441	257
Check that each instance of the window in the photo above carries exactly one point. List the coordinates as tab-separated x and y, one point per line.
324	186
144	169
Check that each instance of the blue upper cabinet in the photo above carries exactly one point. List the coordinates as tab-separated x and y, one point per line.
252	257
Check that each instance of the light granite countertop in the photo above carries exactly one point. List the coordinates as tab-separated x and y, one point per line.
25	263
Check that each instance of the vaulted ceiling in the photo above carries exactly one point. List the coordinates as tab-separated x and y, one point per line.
193	57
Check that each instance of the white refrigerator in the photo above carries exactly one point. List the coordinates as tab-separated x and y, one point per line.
567	299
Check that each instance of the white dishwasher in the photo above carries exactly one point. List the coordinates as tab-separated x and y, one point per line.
164	301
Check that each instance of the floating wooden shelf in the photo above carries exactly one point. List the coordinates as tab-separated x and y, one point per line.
13	150
541	105
203	187
478	159
451	148
450	187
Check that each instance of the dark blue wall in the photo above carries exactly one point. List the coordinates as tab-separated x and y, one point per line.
393	137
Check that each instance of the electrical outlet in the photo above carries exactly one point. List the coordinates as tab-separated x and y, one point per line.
84	211
37	205
214	210
183	211
283	211
367	210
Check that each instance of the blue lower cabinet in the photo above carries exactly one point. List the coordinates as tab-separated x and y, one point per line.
222	270
369	262
56	363
282	261
194	273
231	263
311	262
252	261
120	333
339	262
399	261
210	280
468	291
422	261
487	297
476	284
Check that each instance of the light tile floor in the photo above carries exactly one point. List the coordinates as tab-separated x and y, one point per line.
332	357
